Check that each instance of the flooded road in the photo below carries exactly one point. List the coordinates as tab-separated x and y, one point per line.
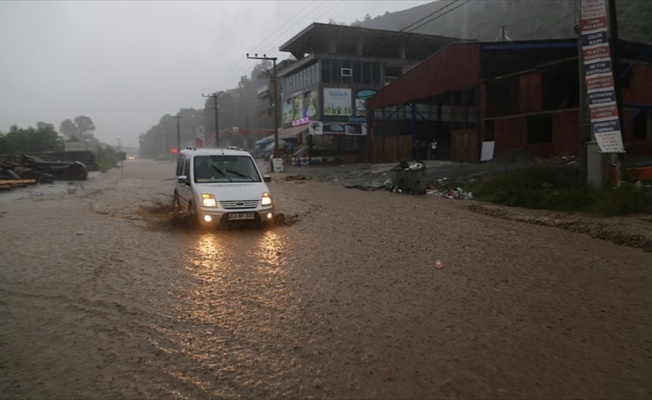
105	294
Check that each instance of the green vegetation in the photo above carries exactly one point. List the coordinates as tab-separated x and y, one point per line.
45	140
31	140
106	157
549	186
523	20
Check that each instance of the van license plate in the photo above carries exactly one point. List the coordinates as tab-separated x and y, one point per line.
241	216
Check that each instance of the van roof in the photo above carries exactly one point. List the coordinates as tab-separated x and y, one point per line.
214	152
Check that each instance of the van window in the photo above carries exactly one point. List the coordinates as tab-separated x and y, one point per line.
180	162
219	168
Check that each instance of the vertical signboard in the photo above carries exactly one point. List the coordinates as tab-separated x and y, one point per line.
598	72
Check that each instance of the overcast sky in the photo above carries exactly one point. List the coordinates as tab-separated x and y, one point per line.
127	63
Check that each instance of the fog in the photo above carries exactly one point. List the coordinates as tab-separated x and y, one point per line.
126	64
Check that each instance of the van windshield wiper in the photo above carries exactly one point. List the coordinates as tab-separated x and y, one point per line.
241	175
222	173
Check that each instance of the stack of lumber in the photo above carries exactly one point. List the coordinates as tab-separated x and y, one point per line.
15	183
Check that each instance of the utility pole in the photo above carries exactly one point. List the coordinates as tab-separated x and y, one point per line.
275	97
217	129
178	133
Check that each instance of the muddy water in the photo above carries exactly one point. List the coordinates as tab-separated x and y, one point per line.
106	294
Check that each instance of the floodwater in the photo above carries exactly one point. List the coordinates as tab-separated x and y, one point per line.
104	293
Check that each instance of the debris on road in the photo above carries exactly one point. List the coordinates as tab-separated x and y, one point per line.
32	169
407	178
453	194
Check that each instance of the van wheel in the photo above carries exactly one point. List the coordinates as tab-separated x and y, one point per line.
192	214
176	206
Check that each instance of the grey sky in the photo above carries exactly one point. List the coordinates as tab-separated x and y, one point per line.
127	63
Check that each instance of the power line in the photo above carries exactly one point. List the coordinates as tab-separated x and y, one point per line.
287	22
274	36
439	16
428	16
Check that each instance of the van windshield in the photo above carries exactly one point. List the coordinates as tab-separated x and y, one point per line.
218	168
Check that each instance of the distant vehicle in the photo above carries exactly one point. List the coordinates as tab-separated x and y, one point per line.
222	186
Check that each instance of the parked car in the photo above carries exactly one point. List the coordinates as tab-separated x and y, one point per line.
222	186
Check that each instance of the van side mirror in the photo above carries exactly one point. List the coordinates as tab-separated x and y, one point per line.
267	178
182	179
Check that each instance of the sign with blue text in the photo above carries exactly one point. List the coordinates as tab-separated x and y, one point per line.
598	72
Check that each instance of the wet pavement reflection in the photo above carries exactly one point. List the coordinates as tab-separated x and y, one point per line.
231	306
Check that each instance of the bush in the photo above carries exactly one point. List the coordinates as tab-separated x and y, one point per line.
626	199
550	186
106	157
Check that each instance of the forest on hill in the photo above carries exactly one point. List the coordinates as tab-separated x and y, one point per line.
491	20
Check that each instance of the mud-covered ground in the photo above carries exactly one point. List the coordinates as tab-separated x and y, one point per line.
104	293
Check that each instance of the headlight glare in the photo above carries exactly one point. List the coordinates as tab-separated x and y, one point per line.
208	200
266	200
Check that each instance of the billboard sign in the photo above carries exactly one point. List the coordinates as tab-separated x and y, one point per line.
300	108
361	97
337	101
337	128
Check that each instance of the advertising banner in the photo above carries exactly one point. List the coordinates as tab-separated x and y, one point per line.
361	97
598	70
337	101
337	128
300	108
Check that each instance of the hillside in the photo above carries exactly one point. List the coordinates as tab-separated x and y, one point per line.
523	19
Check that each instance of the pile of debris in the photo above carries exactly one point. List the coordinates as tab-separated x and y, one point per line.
444	189
32	169
453	194
407	178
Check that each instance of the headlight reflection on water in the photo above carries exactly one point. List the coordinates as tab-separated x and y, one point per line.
231	268
230	311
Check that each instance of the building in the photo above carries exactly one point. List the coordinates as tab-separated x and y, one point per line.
479	100
334	70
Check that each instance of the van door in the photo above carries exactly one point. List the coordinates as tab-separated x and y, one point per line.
184	190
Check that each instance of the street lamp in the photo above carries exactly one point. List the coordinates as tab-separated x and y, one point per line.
275	97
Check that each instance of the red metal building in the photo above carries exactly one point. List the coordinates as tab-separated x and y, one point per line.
479	100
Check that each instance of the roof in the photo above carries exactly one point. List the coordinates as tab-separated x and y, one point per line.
291	133
214	152
453	68
363	42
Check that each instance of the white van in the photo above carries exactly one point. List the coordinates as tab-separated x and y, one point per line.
222	186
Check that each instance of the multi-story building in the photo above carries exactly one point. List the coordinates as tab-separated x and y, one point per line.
334	69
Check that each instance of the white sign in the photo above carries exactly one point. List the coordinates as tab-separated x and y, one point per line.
278	164
337	101
315	128
487	151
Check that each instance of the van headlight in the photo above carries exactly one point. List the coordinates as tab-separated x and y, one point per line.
266	200
208	200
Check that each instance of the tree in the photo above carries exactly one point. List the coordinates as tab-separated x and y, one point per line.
32	140
85	126
81	129
4	146
45	126
69	130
